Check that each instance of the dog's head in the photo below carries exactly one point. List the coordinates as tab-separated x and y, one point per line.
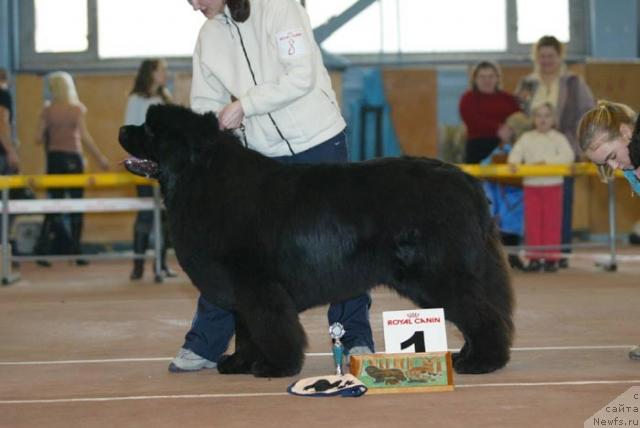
171	137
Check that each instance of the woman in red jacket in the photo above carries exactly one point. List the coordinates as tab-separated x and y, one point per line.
484	109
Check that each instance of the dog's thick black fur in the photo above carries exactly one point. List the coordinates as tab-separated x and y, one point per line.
267	240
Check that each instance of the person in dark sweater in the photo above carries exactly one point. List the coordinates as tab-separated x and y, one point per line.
484	109
8	153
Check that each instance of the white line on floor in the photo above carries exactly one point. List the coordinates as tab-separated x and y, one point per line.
309	354
275	394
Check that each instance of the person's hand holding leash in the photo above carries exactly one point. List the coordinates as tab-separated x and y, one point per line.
231	116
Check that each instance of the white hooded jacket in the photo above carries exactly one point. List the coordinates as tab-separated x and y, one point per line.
281	75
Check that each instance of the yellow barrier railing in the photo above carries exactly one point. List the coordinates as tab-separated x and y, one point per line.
124	179
72	180
507	170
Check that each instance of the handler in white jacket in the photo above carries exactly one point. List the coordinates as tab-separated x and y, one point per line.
257	65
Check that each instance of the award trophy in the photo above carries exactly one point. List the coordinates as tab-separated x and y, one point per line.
336	331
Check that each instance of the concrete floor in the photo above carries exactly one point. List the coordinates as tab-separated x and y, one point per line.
85	347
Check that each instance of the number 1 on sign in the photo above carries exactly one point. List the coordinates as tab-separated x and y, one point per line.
414	330
417	340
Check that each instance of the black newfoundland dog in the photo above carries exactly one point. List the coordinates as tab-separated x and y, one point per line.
267	240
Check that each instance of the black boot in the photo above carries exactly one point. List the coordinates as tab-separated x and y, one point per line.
534	266
550	266
43	245
516	263
138	269
140	243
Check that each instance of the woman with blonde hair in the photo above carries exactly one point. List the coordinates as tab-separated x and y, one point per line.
607	138
63	132
149	88
570	97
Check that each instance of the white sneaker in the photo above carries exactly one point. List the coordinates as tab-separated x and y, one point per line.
359	350
189	361
634	354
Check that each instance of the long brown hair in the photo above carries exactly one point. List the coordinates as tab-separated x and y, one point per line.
485	65
144	81
240	9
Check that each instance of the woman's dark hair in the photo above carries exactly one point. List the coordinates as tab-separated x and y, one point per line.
549	41
240	9
144	81
484	65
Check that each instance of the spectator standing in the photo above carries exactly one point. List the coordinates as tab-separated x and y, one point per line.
551	82
149	88
8	149
63	132
542	195
484	109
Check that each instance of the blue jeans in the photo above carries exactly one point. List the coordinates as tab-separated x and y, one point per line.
213	327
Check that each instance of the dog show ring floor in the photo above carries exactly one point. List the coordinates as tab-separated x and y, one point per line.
86	347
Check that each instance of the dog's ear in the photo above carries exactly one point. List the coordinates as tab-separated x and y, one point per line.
202	136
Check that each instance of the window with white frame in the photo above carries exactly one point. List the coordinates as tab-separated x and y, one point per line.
90	33
419	26
543	17
146	28
61	26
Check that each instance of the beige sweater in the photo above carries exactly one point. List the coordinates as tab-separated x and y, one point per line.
534	147
291	82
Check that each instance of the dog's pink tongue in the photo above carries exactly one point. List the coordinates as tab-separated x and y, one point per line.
141	167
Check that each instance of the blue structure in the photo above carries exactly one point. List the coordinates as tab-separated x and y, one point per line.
367	112
614	29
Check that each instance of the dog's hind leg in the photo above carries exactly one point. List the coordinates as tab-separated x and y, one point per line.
487	334
484	317
272	321
478	301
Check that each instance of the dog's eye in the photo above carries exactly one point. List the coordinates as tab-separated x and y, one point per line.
147	130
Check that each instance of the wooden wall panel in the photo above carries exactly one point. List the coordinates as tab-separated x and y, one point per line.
413	95
615	81
511	75
29	101
181	88
106	97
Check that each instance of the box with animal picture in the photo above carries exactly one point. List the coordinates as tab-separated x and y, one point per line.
396	373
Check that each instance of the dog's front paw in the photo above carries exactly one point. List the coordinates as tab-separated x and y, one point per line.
234	364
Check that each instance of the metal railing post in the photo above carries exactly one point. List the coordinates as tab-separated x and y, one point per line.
613	265
6	251
157	230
